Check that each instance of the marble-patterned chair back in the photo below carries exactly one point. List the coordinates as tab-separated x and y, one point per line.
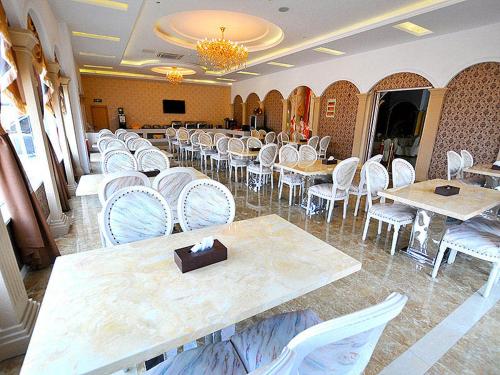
342	345
169	183
138	143
170	133
218	136
135	213
343	174
455	164
253	142
323	144
403	173
362	173
119	180
222	145
307	153
467	159
116	144
235	145
270	138
313	141
288	154
377	158
282	138
121	136
118	161
103	142
152	159
120	131
182	135
205	140
267	155
104	131
377	179
129	135
204	203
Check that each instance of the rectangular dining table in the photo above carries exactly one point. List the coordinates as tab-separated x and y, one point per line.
492	175
469	202
109	309
89	183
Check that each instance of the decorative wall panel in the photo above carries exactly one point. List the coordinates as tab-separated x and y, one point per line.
238	110
273	109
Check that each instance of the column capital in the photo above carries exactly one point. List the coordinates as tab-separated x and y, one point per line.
316	99
53	67
23	40
64	80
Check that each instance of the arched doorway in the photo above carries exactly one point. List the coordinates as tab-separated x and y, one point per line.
273	111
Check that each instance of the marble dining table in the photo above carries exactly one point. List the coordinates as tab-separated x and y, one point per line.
491	175
469	202
112	308
89	183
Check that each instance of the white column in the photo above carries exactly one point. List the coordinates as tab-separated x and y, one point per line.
23	42
18	313
53	74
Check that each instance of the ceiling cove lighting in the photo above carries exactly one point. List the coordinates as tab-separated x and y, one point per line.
115	73
81	34
226	79
118	5
412	28
138	62
92	54
280	64
97	66
329	51
248	73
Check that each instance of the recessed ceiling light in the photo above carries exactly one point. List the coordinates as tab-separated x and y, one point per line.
92	54
329	51
280	64
283	9
106	4
248	73
412	28
95	36
226	79
97	66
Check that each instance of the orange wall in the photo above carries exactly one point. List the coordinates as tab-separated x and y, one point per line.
142	100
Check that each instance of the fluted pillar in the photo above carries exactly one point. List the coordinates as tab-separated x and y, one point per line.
284	117
314	114
244	119
363	117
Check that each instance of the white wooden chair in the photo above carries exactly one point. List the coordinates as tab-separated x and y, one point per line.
119	180
313	141
222	154
253	142
267	156
323	146
270	138
151	159
218	136
236	145
118	161
170	137
289	154
170	182
282	139
455	165
119	131
394	214
293	343
137	143
342	177
116	144
307	153
478	237
103	132
403	173
206	148
135	213
130	135
204	203
102	143
359	190
468	162
194	147
182	142
121	135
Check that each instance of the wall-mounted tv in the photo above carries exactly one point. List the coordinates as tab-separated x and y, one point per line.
174	106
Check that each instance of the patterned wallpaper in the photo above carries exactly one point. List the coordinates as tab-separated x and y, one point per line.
142	100
252	103
238	110
42	199
273	109
341	126
470	118
404	80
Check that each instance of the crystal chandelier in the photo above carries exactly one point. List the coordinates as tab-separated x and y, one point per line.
222	54
174	76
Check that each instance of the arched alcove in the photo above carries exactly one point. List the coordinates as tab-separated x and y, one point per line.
237	109
402	80
300	111
252	104
273	110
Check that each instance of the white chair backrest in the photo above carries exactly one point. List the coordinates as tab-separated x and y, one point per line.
403	173
151	159
118	161
169	183
307	153
288	154
467	159
119	131
129	135
270	137
282	138
377	158
218	136
121	136
137	143
296	137
116	144
313	141
182	135
377	179
222	145
204	203
170	132
104	131
253	142
267	155
362	174
343	174
455	165
102	143
194	138
323	144
235	145
135	213
349	340
119	180
205	141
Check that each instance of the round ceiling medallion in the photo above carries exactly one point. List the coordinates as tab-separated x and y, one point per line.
168	69
185	29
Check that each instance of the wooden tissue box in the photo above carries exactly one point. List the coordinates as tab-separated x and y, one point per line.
189	261
154	173
254	149
495	167
447	190
328	162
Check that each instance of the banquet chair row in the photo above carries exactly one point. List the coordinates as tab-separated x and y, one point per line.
457	163
144	159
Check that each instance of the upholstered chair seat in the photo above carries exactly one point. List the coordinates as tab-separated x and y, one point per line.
325	191
255	168
388	212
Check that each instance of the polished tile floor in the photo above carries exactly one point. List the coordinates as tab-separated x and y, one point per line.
430	301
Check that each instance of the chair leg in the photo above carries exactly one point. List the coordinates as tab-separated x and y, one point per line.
308	203
230	172
439	259
247	176
280	189
394	239
491	279
346	204
330	210
272	181
379	227
356	208
367	224
451	257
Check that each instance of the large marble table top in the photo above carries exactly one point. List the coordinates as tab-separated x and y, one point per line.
89	183
470	202
484	169
308	168
112	308
245	153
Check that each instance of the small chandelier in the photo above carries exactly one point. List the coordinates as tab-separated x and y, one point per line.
174	76
222	54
